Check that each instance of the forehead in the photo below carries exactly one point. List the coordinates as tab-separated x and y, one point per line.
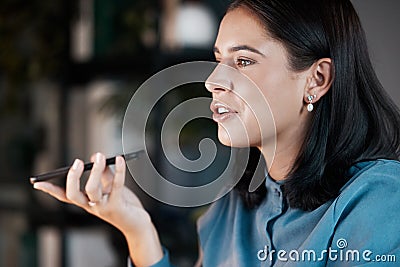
242	25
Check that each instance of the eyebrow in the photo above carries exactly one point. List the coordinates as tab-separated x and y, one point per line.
240	48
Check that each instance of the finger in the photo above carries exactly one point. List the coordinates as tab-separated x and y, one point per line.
73	190
107	181
119	177
93	186
107	178
54	191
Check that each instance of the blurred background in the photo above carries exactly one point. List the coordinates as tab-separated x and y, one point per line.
67	72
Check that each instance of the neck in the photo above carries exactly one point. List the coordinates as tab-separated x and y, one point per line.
280	165
281	158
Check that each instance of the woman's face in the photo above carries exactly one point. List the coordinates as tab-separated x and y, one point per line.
257	99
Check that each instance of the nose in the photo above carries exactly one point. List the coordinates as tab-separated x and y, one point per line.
219	80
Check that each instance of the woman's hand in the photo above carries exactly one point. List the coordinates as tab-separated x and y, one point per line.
108	198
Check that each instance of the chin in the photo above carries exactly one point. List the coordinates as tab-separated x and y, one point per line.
232	140
224	137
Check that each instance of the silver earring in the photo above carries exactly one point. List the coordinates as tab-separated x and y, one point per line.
310	106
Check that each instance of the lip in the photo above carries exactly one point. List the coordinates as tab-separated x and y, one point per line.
219	118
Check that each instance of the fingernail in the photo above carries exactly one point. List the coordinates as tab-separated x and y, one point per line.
98	157
75	166
39	186
118	160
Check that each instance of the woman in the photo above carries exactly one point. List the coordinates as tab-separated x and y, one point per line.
330	196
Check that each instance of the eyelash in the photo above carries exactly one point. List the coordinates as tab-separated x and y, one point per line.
244	62
239	62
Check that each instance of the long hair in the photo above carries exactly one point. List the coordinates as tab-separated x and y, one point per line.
355	121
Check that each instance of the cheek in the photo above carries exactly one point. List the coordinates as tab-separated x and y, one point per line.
269	104
254	115
253	125
285	97
260	123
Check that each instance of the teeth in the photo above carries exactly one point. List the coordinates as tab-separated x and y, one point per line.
222	110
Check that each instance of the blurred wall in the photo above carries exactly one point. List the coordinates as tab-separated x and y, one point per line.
381	22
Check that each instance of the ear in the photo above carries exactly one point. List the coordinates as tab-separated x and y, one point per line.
320	79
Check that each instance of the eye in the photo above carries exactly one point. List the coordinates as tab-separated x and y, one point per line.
242	63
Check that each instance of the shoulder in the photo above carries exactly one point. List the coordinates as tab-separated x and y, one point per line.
373	190
367	211
379	176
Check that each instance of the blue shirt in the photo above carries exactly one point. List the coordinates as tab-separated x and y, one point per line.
359	227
